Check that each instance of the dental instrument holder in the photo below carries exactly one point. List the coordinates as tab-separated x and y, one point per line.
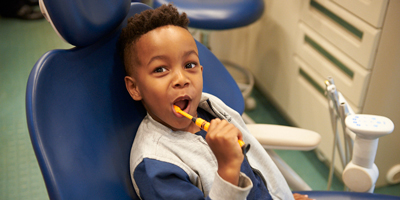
361	173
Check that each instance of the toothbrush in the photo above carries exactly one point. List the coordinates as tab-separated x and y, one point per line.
201	123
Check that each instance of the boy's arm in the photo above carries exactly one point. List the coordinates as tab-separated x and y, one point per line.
161	180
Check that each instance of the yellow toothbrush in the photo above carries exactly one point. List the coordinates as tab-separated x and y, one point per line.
203	124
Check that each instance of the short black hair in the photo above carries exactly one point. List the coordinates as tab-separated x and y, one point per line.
145	22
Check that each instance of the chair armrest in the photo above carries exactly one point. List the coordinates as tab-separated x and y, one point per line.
284	137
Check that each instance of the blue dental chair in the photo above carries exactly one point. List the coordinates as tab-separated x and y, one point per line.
81	119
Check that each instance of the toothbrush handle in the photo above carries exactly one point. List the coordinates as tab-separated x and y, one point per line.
203	124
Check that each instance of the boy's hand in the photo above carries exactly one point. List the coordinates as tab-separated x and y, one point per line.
298	196
222	137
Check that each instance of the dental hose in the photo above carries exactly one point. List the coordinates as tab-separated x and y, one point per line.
334	111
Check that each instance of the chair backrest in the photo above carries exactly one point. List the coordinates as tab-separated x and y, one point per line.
81	119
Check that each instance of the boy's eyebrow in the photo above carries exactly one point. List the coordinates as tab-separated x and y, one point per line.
186	54
161	57
156	58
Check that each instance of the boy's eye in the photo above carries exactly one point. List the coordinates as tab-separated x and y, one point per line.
160	69
190	65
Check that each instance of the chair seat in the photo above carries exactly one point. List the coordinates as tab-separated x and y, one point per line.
218	14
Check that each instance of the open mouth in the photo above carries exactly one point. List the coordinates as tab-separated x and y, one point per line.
182	103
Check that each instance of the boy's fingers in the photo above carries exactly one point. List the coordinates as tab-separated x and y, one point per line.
214	123
298	196
240	135
222	129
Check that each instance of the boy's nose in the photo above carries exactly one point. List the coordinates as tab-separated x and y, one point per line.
180	79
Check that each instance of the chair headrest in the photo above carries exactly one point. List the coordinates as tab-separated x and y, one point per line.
81	23
218	14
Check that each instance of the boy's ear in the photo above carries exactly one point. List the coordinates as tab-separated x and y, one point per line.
132	88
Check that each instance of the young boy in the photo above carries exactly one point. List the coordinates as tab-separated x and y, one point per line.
171	157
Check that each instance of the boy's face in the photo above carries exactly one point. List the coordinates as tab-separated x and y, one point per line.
168	73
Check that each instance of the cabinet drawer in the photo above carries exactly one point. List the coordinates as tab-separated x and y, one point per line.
372	11
308	107
347	32
327	60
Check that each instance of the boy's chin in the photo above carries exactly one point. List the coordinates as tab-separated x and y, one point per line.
180	124
183	127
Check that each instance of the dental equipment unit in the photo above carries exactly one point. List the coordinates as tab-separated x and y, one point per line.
361	136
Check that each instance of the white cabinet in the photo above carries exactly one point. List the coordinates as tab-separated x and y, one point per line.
327	60
296	45
350	34
343	39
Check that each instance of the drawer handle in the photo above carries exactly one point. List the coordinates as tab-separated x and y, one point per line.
337	19
329	56
311	81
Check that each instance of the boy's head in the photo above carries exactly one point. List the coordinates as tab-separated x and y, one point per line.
143	23
162	65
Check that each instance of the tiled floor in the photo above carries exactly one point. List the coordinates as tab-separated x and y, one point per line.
21	45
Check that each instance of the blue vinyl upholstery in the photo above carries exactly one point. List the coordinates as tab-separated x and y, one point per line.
218	14
81	119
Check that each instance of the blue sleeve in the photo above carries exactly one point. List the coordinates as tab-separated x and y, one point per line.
160	180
